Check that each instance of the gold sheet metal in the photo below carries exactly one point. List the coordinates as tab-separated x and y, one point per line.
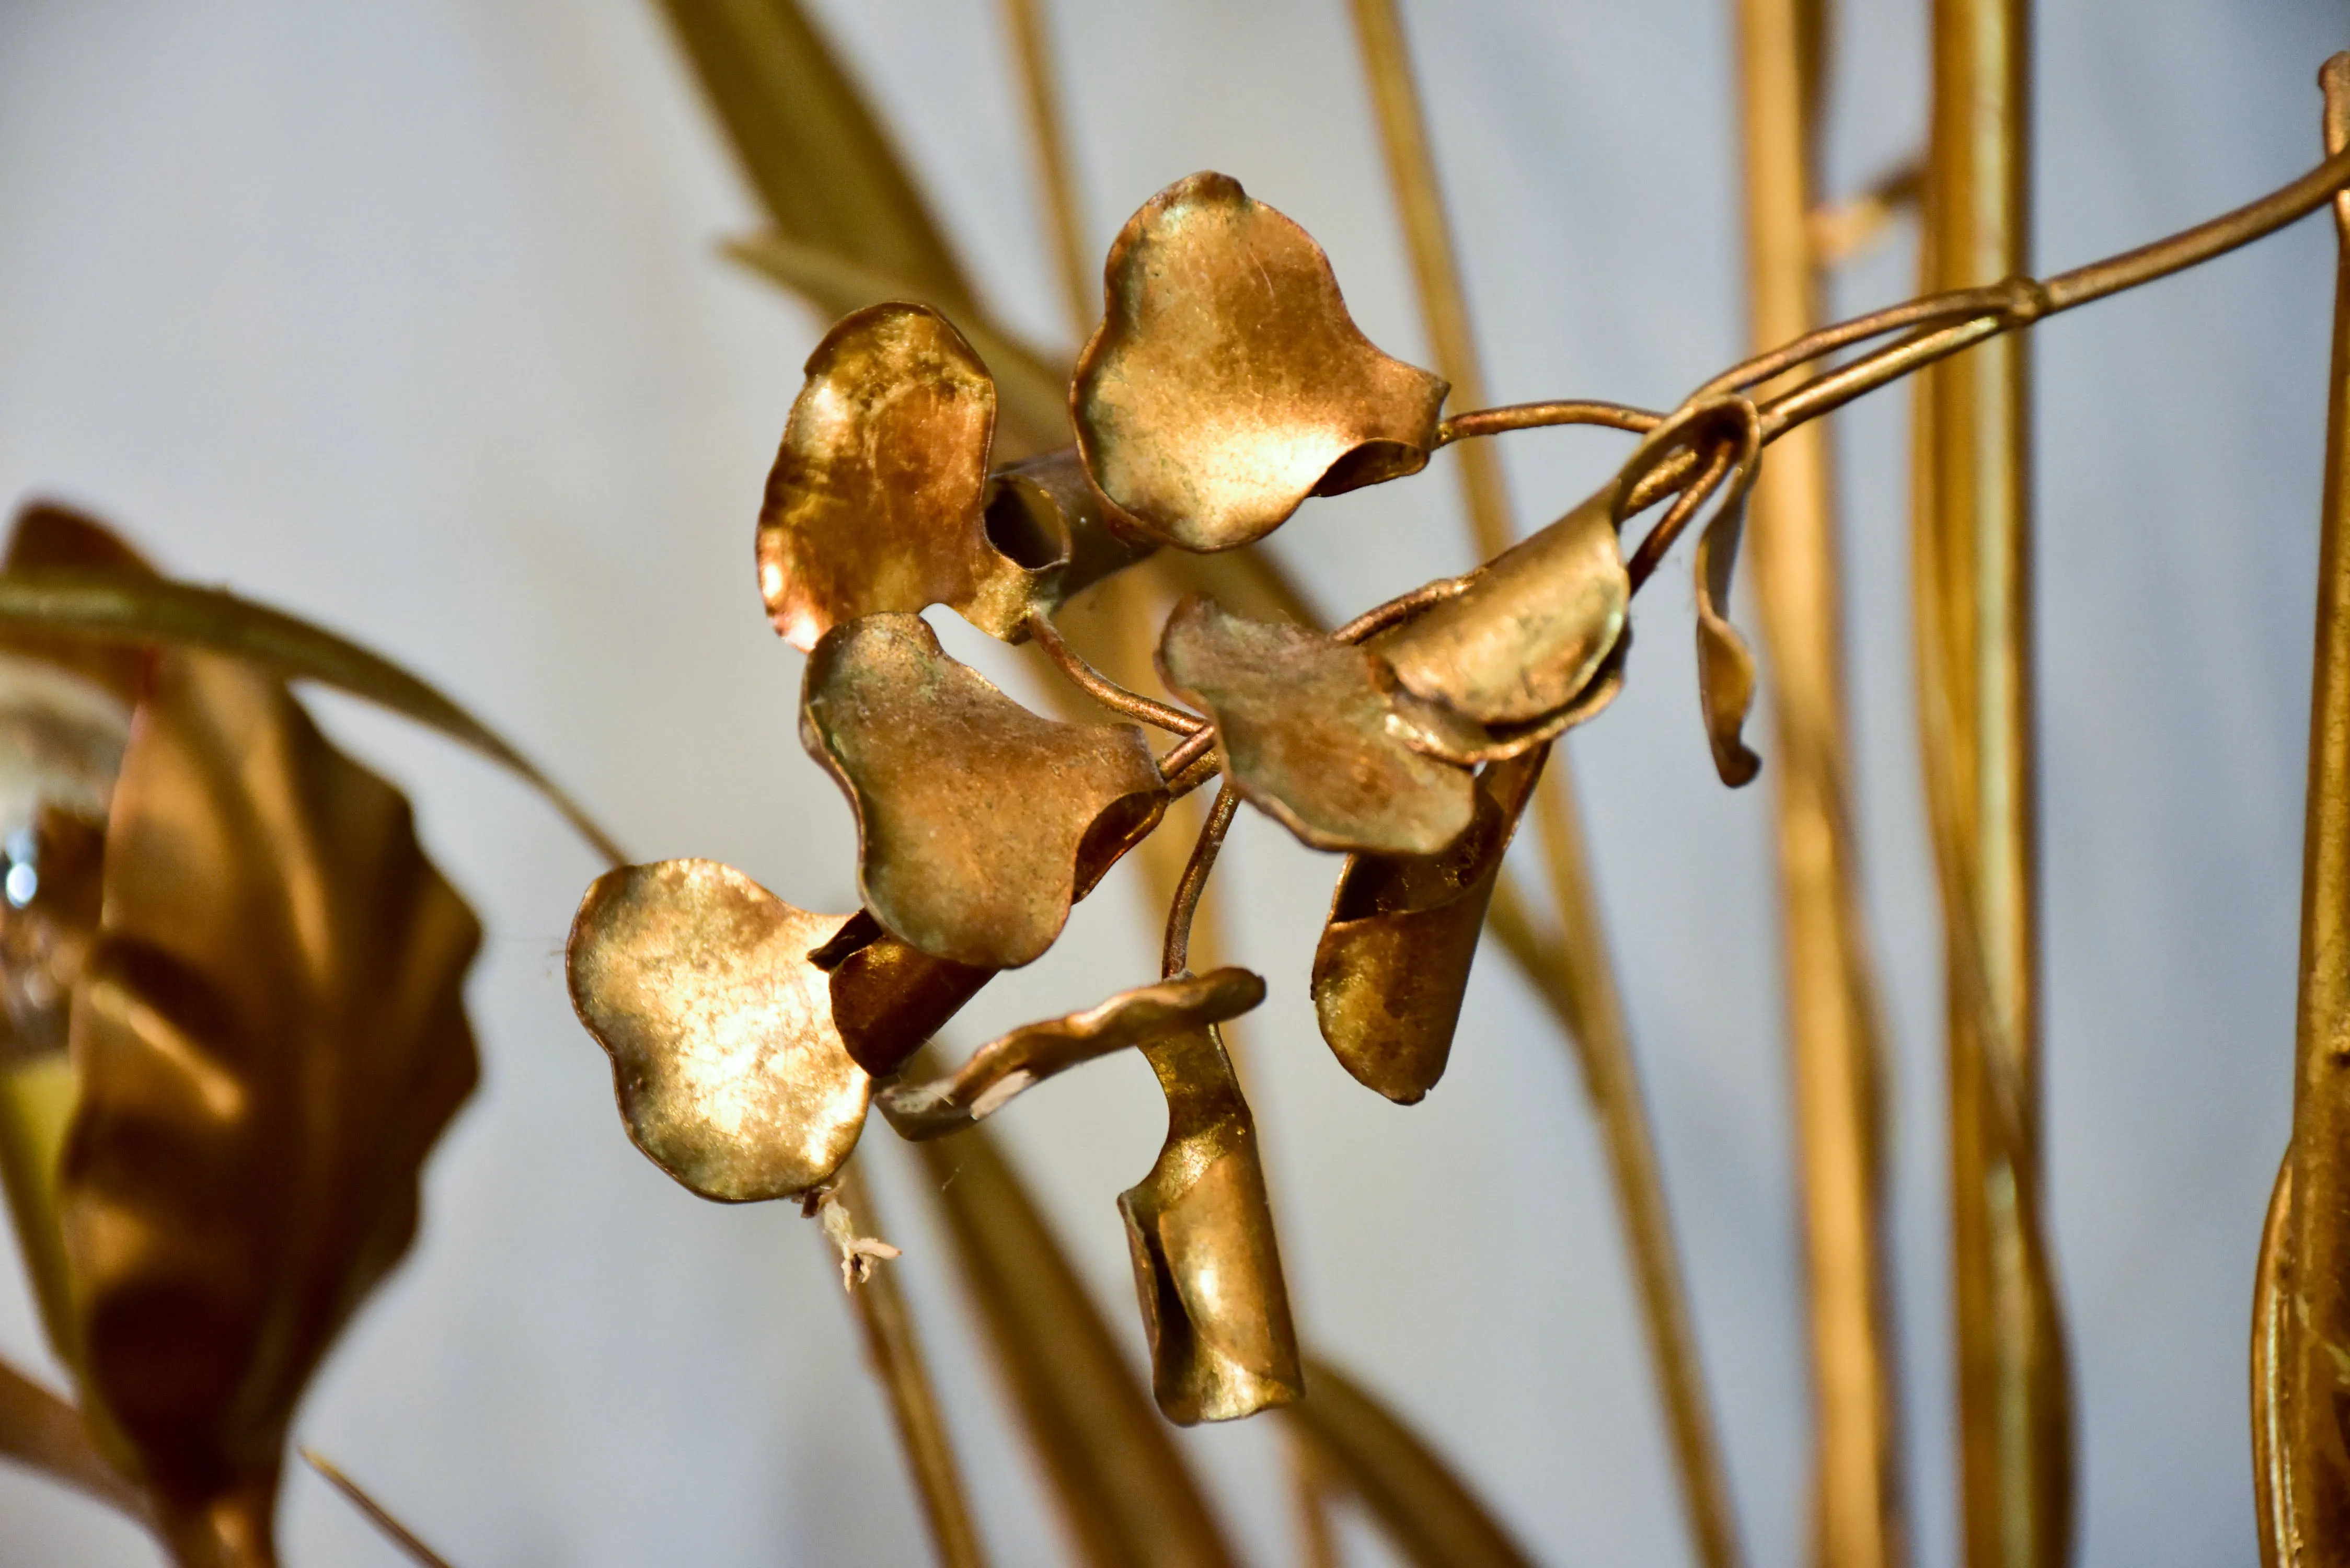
270	1036
1046	515
1206	1265
1393	964
979	824
1301	727
1227	383
698	983
1004	1067
888	996
1529	631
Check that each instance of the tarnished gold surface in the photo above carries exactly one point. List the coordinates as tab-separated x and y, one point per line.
2311	1367
729	1072
1393	964
1002	1069
1835	1045
888	996
1206	1265
979	824
1302	728
875	500
1971	557
1227	383
269	1035
1529	631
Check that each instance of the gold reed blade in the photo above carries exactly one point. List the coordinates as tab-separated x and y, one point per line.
1124	1488
1970	555
1834	1046
1426	1512
412	1545
269	1038
44	1433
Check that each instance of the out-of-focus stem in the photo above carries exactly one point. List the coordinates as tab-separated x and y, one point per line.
895	1353
1581	970
2310	1461
1832	1011
1032	46
1971	555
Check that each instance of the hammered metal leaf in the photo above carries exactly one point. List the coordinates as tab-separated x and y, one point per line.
1226	382
1002	1068
979	824
269	1037
729	1072
1301	726
1393	963
1527	635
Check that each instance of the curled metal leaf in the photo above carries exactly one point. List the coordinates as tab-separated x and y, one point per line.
269	1037
1525	639
1393	964
1725	666
1302	727
888	996
698	983
1046	515
1226	382
1215	1307
979	824
1002	1068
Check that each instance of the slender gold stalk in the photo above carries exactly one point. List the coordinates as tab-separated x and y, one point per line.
1972	557
1031	45
1582	967
1832	1010
896	1354
1309	1498
2310	1456
1101	688
374	1512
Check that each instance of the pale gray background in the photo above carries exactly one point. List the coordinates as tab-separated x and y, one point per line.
407	315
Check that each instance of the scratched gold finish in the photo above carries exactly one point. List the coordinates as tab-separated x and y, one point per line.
730	1075
1529	631
269	1037
1970	558
979	824
1002	1068
1302	728
1214	1304
1834	1047
1393	964
2311	1371
1226	382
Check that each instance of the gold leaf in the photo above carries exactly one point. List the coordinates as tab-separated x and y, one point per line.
1206	1265
1725	667
1046	514
1123	1487
1528	635
1227	383
1301	726
1393	964
1424	1509
46	536
1004	1067
269	1036
979	824
698	984
888	996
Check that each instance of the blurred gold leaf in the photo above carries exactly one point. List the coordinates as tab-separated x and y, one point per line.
42	1432
1004	1067
698	983
1227	383
1432	1518
269	1037
979	823
1393	963
1124	1489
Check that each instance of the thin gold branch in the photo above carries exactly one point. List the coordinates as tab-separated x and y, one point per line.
374	1512
1101	688
1032	46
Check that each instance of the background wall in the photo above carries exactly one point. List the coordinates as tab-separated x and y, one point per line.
408	316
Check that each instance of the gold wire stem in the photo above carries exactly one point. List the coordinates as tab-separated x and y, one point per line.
1176	955
374	1512
1972	557
1835	1049
1032	46
1397	610
1419	202
1509	417
1102	688
1182	757
2311	1508
894	1352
